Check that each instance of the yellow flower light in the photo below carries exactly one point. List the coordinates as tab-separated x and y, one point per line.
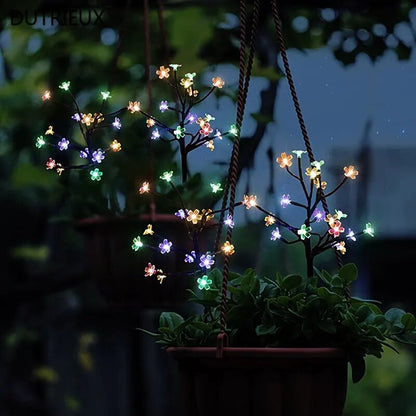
210	145
46	95
50	130
331	219
115	145
160	277
217	82
134	107
163	72
150	122
145	188
313	173
269	220
284	160
319	184
194	216
186	82
341	247
87	119
59	169
207	214
191	92
350	172
98	117
249	201
148	230
227	248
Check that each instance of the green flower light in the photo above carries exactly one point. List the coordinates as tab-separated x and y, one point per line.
234	130
298	153
190	75
105	95
175	66
369	229
136	244
96	174
65	85
317	164
179	132
340	215
209	118
167	176
204	282
40	142
216	187
304	232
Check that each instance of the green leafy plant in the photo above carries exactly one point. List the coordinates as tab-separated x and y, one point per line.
291	311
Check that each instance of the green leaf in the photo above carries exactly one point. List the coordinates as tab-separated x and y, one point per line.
291	282
265	329
394	316
170	320
357	368
348	273
409	322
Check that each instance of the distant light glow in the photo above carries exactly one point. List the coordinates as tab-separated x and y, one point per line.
63	144
163	106
304	232
275	234
167	176
165	246
204	283
285	200
46	95
96	174
369	229
206	260
145	188
137	244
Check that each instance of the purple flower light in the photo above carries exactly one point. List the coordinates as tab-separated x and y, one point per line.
218	134
206	260
229	221
84	153
165	246
155	134
351	235
76	117
190	258
163	106
318	215
117	123
192	118
98	156
181	214
63	144
285	201
275	234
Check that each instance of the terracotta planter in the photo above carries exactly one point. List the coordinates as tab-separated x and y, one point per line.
262	381
118	271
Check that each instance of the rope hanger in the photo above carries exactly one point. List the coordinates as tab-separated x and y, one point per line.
245	67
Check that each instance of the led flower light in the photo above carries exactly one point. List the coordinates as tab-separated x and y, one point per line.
190	75
317	164
165	246
46	95
216	187
65	85
304	232
331	219
210	145
336	229
186	83
284	160
59	169
249	201
341	247
40	142
351	235
76	117
217	82
194	216
369	229
350	172
275	234
150	122
206	130
207	214
150	270
191	92
181	214
233	130
218	134
319	184
83	154
167	176
163	72
116	123
160	277
179	132
145	188
298	153
285	200
98	156
163	106
50	164
175	66
50	130
318	215
190	258
340	214
191	117
229	221
134	107
87	119
204	283
137	244
155	134
106	95
269	220
313	173
227	248
115	146
206	260
148	230
96	174
63	144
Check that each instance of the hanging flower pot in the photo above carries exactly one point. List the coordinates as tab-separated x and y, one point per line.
119	271
262	381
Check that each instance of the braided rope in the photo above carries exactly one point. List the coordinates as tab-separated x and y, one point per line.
243	86
295	100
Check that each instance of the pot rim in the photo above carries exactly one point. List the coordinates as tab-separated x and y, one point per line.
257	352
